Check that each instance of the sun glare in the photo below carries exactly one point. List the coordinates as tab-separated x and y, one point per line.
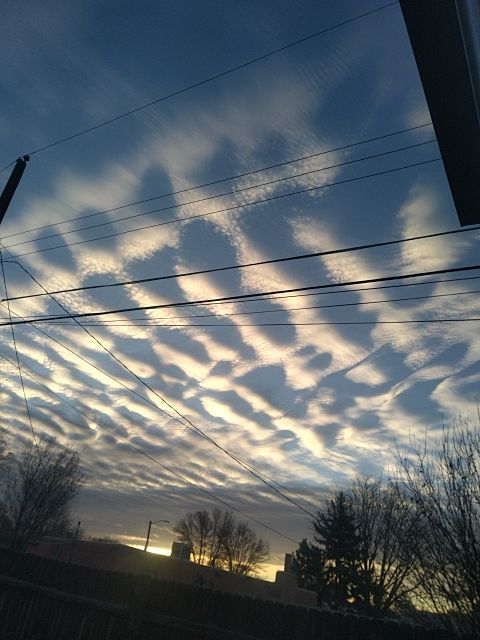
163	551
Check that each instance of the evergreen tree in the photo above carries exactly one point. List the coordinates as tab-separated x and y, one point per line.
363	555
308	563
335	532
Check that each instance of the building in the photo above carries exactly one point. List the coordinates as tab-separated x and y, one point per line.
120	557
445	38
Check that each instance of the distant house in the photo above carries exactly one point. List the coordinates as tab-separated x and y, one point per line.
120	557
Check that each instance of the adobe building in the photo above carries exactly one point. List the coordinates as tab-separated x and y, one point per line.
176	568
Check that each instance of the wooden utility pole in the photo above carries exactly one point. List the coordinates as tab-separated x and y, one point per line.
150	528
12	184
75	538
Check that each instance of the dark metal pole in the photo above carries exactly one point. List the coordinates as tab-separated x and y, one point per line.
148	535
12	184
72	546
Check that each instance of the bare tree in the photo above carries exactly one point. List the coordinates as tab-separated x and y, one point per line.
41	486
387	529
4	452
244	551
444	485
221	527
105	539
5	524
202	532
364	548
218	539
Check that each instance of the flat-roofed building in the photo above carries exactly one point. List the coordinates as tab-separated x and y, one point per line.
119	557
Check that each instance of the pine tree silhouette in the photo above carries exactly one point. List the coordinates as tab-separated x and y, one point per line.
309	565
335	533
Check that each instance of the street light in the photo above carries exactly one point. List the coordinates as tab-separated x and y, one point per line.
149	528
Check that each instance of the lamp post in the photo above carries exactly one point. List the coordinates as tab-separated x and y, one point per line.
149	528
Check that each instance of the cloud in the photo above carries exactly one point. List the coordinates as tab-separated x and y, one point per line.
367	373
309	404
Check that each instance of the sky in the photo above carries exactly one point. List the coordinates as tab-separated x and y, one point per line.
306	401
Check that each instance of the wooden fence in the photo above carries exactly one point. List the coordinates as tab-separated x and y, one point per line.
44	599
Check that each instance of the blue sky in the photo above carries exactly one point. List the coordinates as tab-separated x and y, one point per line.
309	405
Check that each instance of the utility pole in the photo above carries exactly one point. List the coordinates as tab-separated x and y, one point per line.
75	537
148	534
150	522
12	184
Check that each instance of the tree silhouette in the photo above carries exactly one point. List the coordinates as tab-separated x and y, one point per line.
243	550
41	486
443	481
219	539
3	452
336	534
388	529
308	563
365	549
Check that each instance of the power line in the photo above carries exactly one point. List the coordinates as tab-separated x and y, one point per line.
186	419
300	324
176	473
152	458
189	424
211	78
330	293
289	296
7	166
100	370
154	405
139	322
219	181
329	323
14	341
247	295
225	193
303	256
227	209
